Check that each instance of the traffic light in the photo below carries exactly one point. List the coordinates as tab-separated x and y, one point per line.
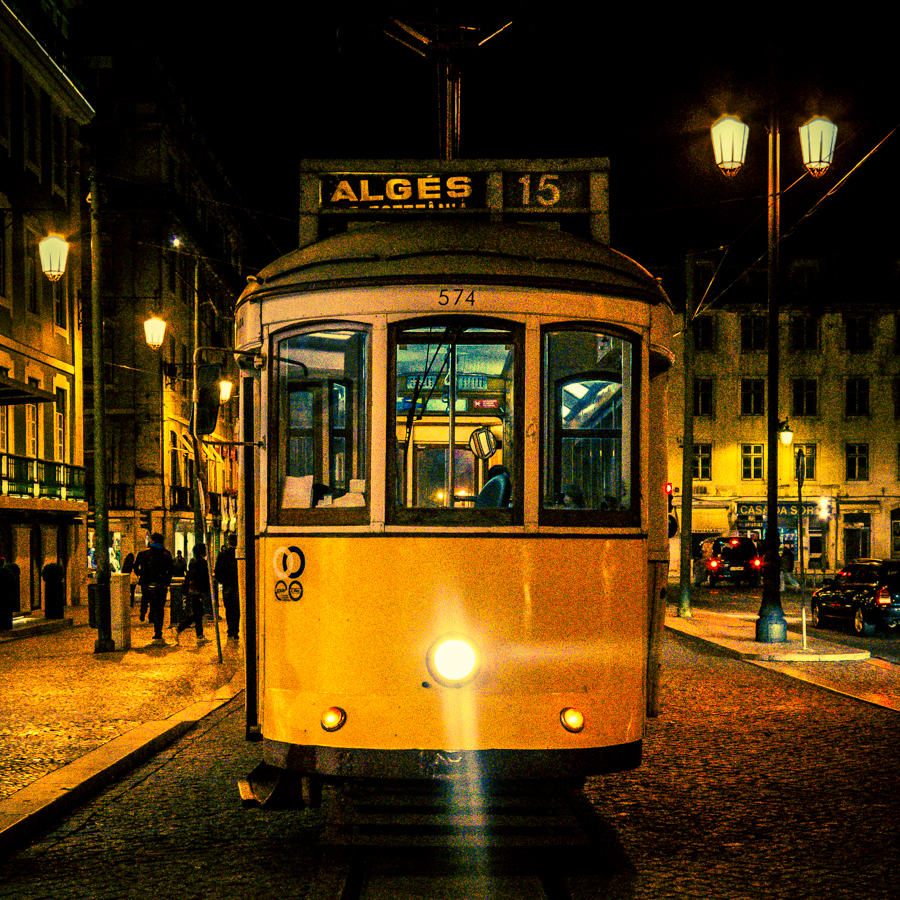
673	518
826	508
206	414
146	520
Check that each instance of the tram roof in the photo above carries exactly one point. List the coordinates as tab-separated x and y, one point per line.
435	252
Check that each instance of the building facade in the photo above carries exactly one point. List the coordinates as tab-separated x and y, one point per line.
42	475
839	394
170	249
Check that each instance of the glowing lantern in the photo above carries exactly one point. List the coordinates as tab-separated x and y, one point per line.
729	137
54	252
155	332
817	139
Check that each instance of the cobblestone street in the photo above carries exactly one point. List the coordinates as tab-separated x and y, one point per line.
103	695
754	785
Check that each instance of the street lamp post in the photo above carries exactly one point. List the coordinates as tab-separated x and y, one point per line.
104	642
817	139
54	252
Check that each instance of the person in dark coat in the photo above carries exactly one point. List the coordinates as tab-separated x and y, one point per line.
153	568
180	565
196	585
227	575
128	569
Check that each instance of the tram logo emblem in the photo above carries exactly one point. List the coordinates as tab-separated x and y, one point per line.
288	562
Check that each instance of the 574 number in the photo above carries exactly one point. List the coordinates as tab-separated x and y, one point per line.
456	296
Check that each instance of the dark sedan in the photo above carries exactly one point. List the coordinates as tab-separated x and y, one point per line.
867	593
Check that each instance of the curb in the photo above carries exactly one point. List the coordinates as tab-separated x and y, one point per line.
732	648
38	626
40	805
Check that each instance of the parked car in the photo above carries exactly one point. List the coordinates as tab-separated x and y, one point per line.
867	593
735	559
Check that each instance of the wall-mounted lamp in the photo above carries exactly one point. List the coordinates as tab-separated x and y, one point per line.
155	332
784	430
54	252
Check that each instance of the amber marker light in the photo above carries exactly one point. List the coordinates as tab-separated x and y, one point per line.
333	718
572	720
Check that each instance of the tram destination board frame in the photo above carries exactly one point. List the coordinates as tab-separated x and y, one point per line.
570	194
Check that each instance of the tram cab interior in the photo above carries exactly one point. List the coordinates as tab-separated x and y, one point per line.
455	413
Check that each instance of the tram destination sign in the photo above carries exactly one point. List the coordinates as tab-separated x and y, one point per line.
404	191
569	194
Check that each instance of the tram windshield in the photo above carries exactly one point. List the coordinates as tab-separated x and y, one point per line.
321	421
455	401
588	424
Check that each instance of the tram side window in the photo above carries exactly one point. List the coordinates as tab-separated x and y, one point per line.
322	428
456	413
588	398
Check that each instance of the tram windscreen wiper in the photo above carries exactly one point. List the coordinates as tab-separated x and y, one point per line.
411	415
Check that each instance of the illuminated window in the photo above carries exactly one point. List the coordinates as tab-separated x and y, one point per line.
752	462
31	424
60	416
453	376
702	462
322	425
589	427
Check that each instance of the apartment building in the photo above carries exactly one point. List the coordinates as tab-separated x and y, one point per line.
839	395
42	476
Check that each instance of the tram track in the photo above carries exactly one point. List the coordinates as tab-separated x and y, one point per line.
519	844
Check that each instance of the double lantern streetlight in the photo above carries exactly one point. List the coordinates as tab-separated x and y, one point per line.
817	140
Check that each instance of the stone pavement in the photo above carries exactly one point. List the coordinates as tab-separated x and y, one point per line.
812	658
72	720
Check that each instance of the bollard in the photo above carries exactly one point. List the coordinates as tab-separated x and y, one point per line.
120	610
176	602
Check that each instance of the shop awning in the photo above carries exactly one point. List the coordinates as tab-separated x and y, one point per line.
709	520
13	392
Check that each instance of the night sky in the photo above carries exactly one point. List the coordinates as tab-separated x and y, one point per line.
572	80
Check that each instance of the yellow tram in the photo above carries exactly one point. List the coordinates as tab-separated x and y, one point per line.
455	523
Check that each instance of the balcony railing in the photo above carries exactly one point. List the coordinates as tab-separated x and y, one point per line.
22	476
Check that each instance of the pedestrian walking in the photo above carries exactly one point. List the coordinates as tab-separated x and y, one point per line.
128	569
787	569
226	573
180	564
196	585
153	568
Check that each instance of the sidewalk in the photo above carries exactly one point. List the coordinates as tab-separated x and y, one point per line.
71	720
827	664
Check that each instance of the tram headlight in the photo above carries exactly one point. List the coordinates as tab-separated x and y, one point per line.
333	718
453	661
572	720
